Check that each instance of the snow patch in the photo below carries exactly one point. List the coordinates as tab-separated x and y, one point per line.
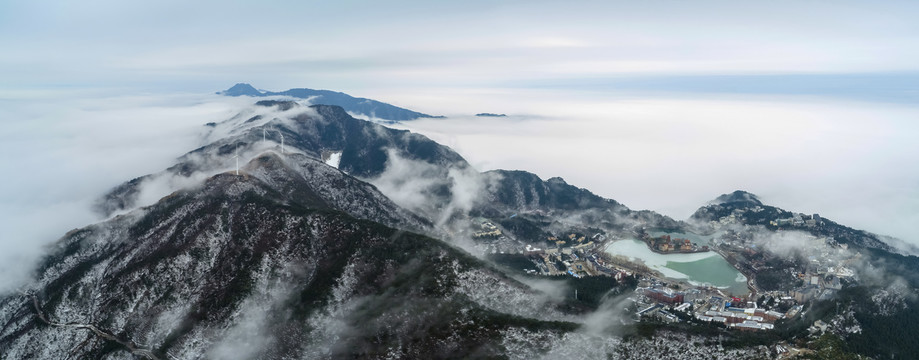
334	159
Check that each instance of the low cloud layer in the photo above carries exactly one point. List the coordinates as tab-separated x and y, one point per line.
849	162
61	150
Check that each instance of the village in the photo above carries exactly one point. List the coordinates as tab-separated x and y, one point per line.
656	297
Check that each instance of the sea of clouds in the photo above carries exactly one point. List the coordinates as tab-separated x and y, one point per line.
849	161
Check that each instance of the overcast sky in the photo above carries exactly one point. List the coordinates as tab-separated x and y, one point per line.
658	104
356	46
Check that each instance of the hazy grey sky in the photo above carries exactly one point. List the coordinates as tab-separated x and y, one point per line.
659	104
382	47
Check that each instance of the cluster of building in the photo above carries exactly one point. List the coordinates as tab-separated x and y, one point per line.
665	295
575	254
492	241
825	270
488	230
819	277
819	286
576	264
742	318
570	244
656	300
571	254
665	244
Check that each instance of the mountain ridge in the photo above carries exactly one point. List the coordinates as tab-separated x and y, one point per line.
288	256
364	147
367	107
306	261
746	208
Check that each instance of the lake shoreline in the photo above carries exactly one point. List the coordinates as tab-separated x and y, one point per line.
709	268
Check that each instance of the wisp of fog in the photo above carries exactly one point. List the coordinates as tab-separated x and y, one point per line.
63	149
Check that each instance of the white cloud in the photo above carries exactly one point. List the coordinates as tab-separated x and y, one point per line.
847	161
63	147
417	185
61	150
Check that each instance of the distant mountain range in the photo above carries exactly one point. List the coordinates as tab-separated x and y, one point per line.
367	107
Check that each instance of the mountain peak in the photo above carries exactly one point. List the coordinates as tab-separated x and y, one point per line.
241	89
738	196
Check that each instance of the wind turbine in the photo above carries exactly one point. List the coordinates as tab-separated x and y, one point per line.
236	155
282	141
263	134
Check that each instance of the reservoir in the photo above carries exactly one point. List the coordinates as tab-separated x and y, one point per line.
698	268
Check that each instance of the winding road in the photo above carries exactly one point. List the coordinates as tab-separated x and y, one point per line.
130	345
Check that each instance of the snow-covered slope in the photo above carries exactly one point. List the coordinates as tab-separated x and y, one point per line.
237	268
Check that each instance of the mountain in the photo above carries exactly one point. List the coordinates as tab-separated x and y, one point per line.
747	209
852	280
366	107
524	203
241	89
237	268
422	176
737	198
294	258
301	232
364	147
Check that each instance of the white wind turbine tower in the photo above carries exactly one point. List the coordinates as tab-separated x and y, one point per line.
236	155
282	141
263	134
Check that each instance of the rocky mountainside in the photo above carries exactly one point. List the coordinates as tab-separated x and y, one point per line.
289	258
420	175
301	232
869	293
747	209
737	198
367	107
522	192
237	268
364	147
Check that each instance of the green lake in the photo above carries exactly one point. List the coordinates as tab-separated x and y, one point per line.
698	268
